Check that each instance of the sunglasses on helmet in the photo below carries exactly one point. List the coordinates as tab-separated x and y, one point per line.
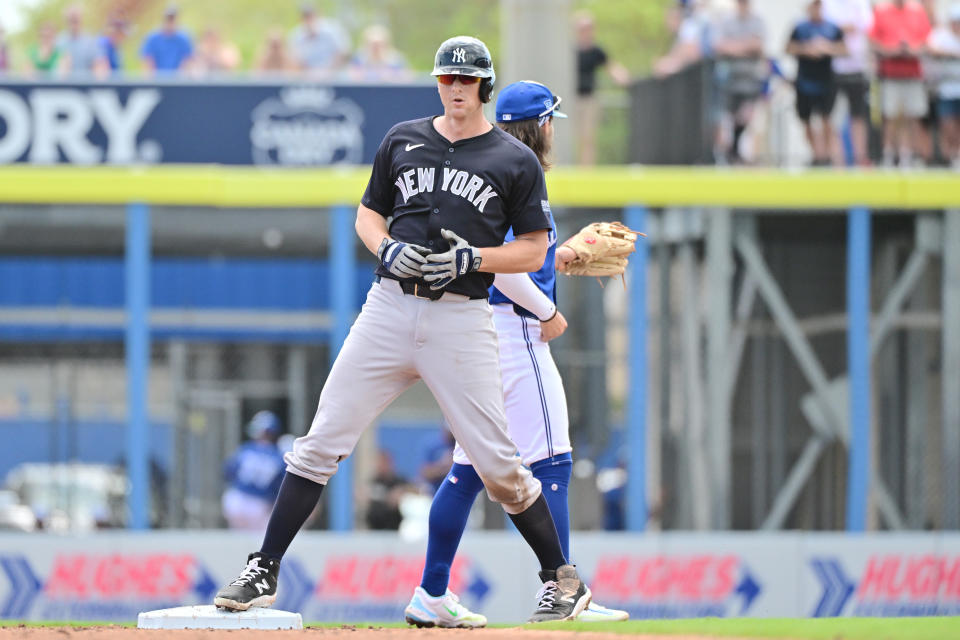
448	78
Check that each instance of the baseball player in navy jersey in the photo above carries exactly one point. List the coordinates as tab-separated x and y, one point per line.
453	185
526	318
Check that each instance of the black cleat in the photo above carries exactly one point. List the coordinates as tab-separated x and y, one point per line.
562	597
255	587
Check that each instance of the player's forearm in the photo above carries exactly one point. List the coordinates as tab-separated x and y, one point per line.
371	228
524	254
522	291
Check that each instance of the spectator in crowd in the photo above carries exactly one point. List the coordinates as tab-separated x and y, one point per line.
377	60
388	487
44	54
111	42
167	49
319	45
439	457
79	52
899	33
590	58
214	54
741	68
4	52
692	42
274	57
855	18
815	42
254	473
944	47
929	123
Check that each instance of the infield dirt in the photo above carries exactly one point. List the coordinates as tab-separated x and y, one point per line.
354	633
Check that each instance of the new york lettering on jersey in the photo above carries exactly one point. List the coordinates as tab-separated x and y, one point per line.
459	183
478	188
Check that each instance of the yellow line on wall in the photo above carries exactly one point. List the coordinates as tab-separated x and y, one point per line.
220	186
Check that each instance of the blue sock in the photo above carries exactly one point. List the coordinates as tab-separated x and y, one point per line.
448	518
554	474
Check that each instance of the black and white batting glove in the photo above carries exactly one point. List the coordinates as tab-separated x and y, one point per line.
443	268
402	259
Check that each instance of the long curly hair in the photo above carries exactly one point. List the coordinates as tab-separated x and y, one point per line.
530	133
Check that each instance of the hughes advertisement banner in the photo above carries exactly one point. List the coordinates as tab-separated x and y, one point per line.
237	124
370	577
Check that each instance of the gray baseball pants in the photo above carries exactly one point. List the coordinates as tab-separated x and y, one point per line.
396	340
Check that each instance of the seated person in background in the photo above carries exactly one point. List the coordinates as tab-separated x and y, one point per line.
254	474
80	55
111	43
854	17
387	488
274	56
898	36
815	42
741	67
319	45
378	61
214	54
688	20
944	46
44	54
168	49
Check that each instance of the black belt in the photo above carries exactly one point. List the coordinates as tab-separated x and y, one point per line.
417	289
420	290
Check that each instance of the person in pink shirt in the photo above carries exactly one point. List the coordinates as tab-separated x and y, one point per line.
898	38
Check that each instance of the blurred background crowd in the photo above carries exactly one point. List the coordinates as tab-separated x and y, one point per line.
866	82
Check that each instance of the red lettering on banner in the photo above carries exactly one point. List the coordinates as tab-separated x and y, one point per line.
67	577
121	576
458	575
919	578
608	579
878	577
923	577
951	577
726	576
379	577
699	577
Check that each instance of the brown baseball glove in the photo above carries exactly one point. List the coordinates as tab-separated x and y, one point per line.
602	249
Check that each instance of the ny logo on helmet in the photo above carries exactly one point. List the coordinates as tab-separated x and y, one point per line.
459	54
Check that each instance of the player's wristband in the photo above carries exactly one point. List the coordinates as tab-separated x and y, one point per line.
552	316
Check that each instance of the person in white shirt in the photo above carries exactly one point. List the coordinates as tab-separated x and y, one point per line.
854	17
944	45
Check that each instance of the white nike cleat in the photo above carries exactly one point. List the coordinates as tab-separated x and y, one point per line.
598	613
444	611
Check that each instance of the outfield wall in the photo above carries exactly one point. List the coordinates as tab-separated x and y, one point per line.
370	577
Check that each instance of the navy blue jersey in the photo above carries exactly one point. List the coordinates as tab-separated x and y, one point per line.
815	75
545	277
479	188
256	469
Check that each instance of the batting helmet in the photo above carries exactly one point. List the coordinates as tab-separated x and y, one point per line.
466	56
263	423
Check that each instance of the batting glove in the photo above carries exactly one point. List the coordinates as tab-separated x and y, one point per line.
443	268
402	259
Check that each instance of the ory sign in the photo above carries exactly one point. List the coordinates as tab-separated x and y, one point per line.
50	124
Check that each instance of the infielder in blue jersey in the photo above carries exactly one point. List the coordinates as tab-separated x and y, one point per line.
526	318
254	473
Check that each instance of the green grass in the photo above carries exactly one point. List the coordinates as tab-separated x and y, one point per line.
937	628
794	629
